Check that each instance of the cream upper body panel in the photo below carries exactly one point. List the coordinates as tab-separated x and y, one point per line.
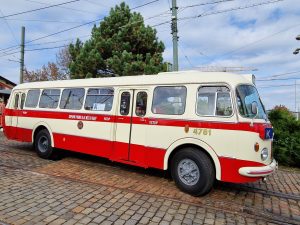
170	78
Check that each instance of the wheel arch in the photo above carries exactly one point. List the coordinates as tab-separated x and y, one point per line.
40	126
196	143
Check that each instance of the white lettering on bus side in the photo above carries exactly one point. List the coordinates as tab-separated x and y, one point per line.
82	117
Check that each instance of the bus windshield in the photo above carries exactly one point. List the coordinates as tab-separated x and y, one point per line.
246	95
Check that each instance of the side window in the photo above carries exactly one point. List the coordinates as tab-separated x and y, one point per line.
141	103
169	100
16	103
49	98
214	101
72	98
99	99
125	103
22	100
32	98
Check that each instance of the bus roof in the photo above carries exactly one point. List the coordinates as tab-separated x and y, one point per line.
168	78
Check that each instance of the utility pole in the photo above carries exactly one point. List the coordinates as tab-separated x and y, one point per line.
296	111
175	37
22	54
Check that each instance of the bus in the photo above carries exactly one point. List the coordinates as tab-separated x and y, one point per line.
200	126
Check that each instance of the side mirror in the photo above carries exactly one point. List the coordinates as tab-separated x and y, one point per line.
254	109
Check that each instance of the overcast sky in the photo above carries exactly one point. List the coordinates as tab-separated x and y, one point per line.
260	37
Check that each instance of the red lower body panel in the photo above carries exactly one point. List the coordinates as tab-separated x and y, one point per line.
17	133
230	170
138	155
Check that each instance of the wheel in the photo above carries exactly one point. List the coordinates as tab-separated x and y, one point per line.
42	144
193	171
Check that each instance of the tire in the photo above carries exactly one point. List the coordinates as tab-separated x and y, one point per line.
42	144
193	171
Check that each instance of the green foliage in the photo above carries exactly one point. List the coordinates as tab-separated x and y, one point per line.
121	45
287	136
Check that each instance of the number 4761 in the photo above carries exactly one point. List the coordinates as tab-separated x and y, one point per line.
202	131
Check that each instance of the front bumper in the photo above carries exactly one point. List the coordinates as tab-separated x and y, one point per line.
261	171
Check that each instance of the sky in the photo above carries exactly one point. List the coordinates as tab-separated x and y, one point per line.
257	35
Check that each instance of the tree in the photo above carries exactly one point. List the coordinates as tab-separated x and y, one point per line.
49	72
121	45
63	60
286	136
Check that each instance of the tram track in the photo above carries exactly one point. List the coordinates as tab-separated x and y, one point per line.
211	202
214	204
265	192
228	186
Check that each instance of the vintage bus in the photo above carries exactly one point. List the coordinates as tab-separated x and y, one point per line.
202	126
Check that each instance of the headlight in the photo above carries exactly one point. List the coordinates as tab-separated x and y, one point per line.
264	154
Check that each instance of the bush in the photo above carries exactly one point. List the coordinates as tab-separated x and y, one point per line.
286	146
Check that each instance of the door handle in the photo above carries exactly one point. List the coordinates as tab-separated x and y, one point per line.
24	112
106	118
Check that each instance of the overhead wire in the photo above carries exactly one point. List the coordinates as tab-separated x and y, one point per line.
9	51
52	42
281	85
185	56
202	4
84	24
229	10
38	9
63	7
7	24
279	75
272	79
45	21
259	40
147	3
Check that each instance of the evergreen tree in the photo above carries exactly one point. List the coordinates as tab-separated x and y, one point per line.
122	45
287	136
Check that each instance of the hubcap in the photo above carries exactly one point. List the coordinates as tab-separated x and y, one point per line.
188	172
43	144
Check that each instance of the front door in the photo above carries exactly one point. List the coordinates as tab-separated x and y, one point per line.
130	129
123	125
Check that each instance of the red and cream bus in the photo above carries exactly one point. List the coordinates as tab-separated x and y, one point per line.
200	126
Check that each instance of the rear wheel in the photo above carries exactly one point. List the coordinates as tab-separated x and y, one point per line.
42	144
193	171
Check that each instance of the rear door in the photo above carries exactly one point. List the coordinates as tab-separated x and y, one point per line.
13	122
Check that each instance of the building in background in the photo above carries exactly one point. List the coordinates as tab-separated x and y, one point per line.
5	88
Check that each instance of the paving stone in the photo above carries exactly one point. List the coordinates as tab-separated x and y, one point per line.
79	190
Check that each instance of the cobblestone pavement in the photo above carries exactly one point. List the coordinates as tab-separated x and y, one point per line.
80	189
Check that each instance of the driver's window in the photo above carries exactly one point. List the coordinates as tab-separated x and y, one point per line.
214	101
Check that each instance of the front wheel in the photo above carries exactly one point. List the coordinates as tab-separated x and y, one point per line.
193	171
42	144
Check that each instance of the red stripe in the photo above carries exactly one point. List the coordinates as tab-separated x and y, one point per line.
257	127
